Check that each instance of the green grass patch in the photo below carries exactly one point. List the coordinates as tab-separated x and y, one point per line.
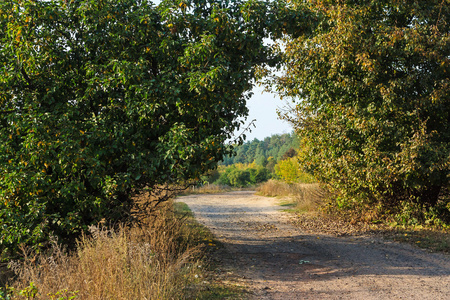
199	234
287	203
181	209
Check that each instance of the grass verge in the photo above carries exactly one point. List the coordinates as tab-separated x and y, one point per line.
299	197
207	189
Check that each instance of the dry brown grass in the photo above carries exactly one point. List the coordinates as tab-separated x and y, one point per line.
207	189
154	262
305	196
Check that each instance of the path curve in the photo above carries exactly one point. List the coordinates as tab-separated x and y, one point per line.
278	261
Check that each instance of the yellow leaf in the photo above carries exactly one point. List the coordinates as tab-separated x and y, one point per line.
18	36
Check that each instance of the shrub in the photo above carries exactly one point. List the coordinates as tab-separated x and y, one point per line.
240	175
374	113
100	99
290	171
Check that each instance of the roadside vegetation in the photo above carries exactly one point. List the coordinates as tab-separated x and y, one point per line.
253	163
315	210
164	258
371	93
100	100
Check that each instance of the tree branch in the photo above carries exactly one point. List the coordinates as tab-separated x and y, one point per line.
27	78
4	112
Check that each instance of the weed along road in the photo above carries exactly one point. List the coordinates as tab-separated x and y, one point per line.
275	260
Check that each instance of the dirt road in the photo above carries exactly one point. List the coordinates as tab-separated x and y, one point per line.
278	261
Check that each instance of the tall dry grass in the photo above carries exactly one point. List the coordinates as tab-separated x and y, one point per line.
209	188
307	196
153	262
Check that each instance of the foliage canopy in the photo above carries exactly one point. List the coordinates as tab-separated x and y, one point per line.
101	98
373	79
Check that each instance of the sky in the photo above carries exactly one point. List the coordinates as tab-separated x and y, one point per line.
263	107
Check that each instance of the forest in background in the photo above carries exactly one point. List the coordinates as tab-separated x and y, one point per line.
257	161
272	148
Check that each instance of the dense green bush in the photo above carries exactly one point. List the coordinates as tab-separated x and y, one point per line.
243	175
101	98
374	117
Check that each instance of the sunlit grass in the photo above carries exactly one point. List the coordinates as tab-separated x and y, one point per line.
301	197
156	261
207	189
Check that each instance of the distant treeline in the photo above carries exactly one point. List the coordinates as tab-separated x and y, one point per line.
269	150
258	161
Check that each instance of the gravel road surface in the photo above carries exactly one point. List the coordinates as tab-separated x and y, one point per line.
276	260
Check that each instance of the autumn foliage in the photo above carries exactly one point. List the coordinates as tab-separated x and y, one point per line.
372	85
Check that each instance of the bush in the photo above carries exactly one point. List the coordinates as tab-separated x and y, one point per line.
100	99
240	175
374	113
239	178
289	170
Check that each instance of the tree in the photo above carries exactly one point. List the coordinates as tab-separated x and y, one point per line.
239	177
290	171
372	79
101	98
259	174
289	154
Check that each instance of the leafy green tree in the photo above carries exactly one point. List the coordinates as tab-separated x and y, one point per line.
259	174
290	171
373	79
101	98
260	158
239	178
